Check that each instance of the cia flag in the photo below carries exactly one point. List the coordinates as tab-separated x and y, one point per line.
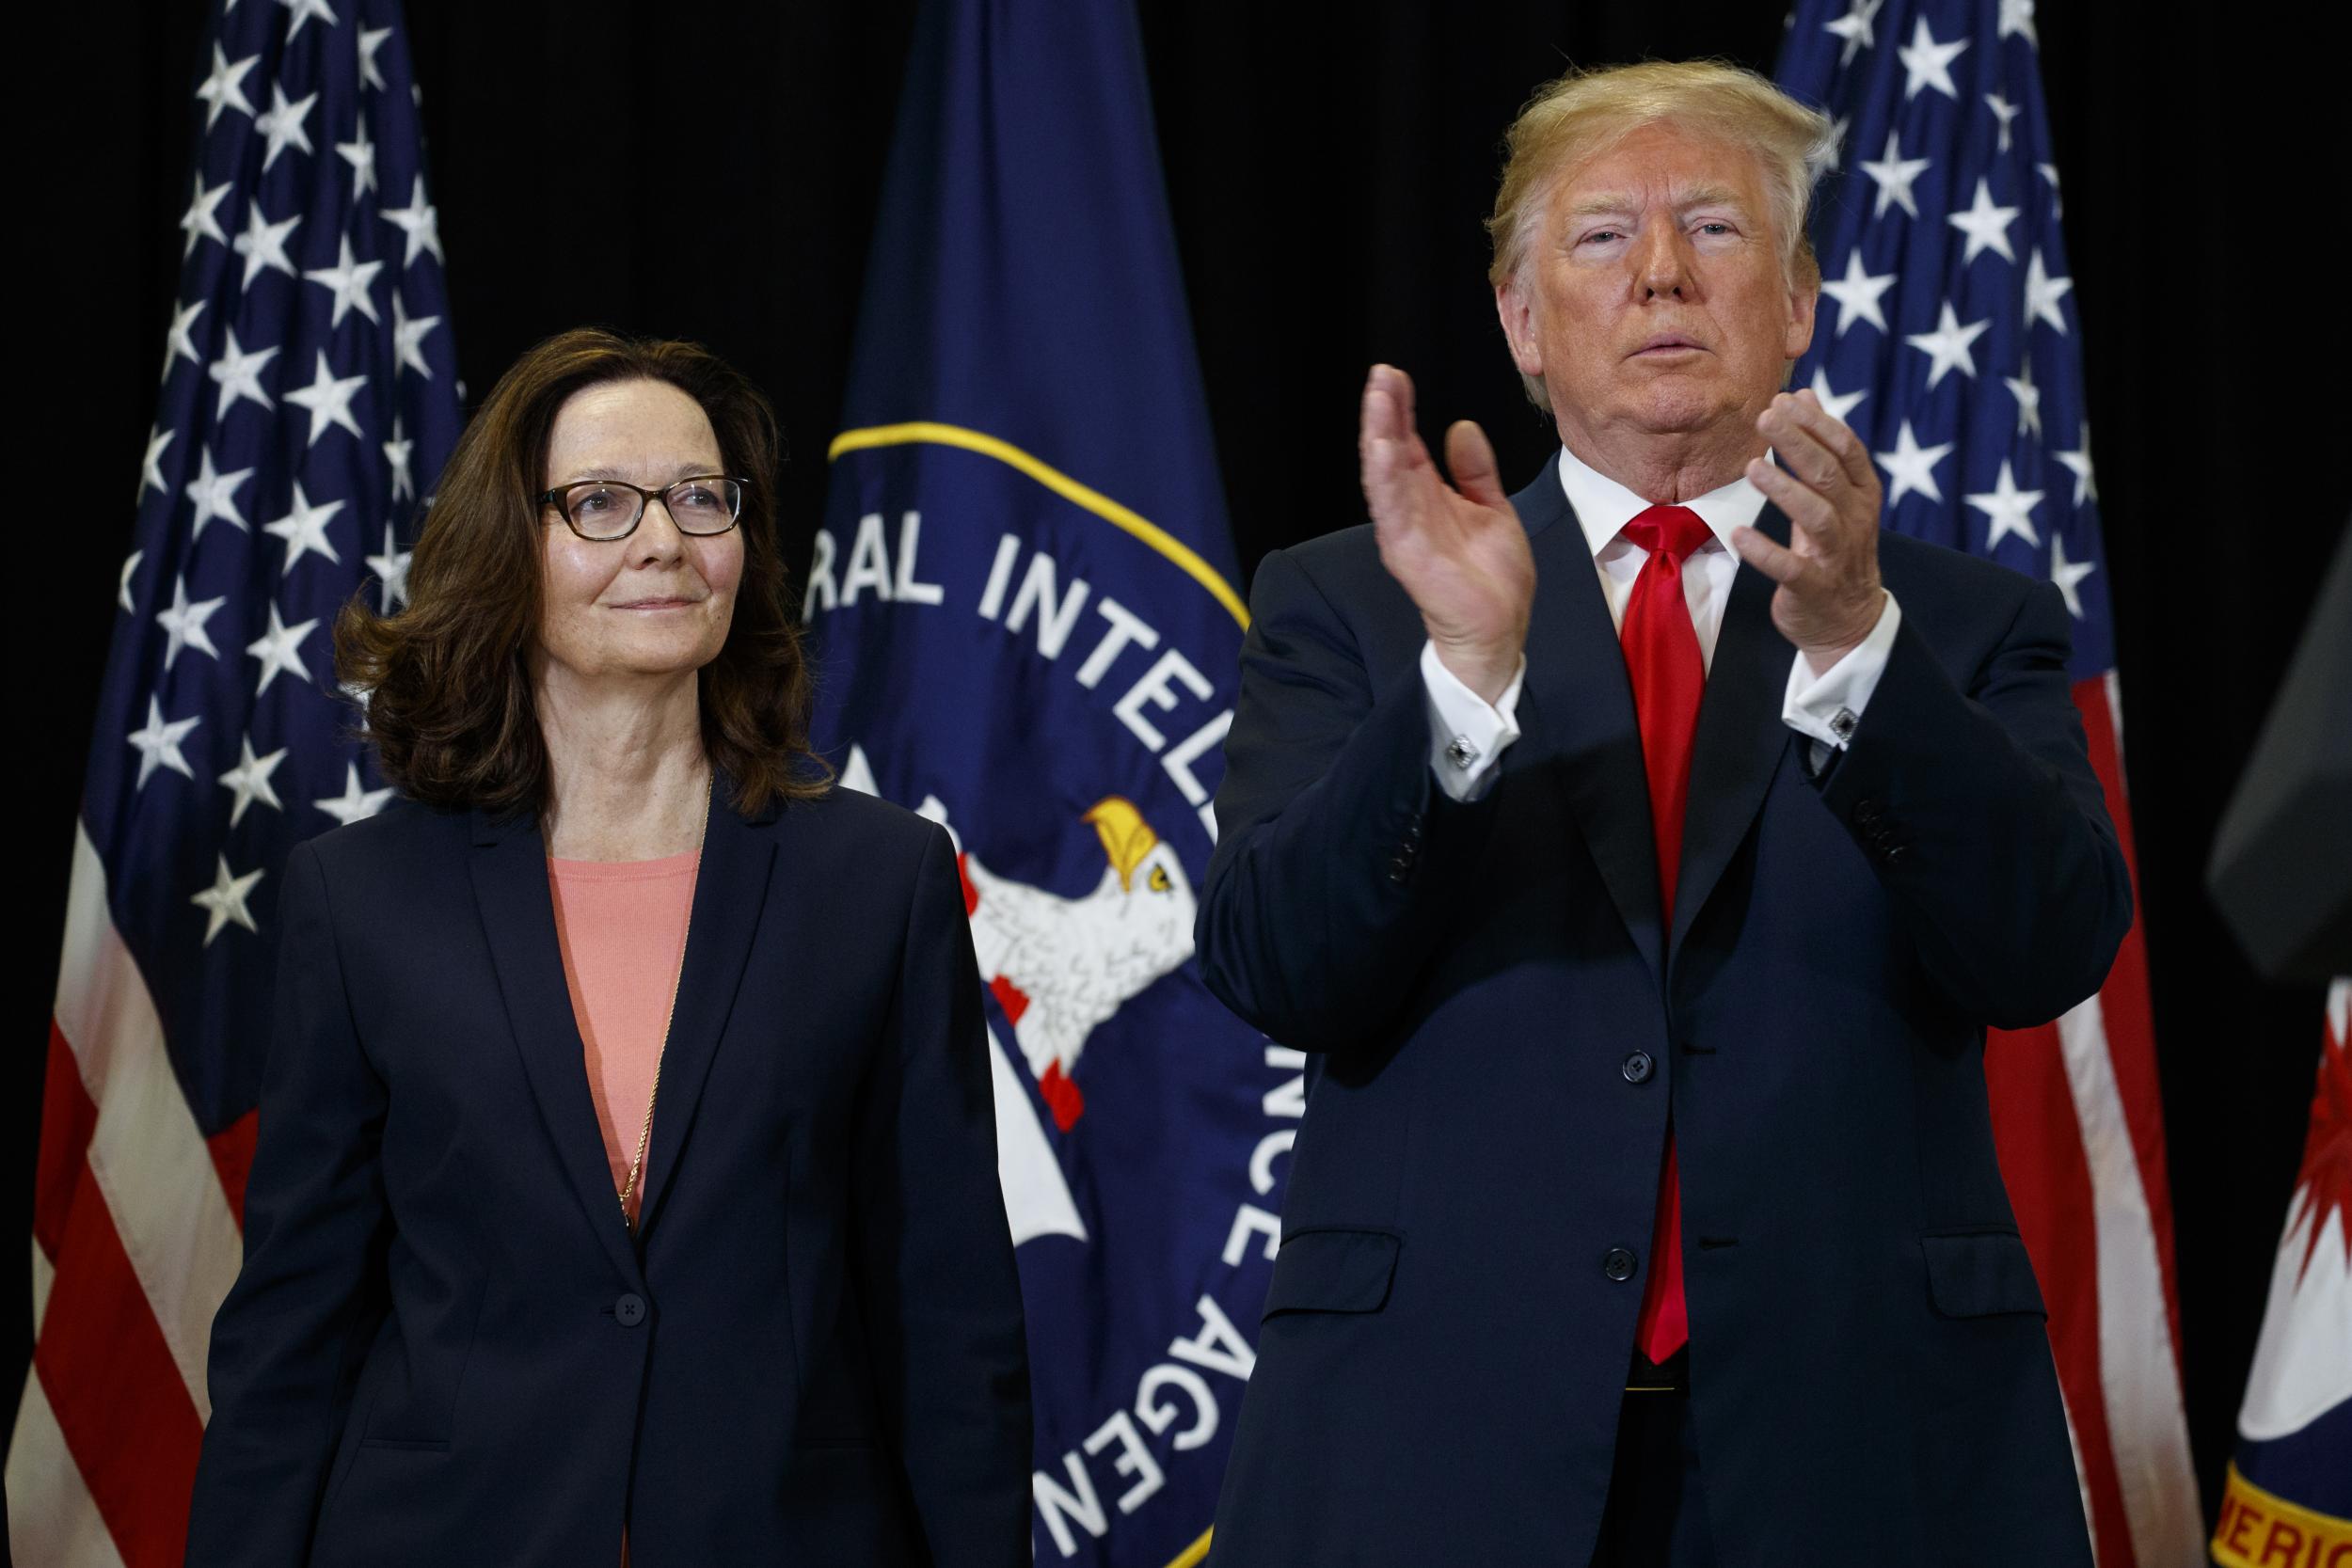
1026	626
307	395
1947	338
2288	1500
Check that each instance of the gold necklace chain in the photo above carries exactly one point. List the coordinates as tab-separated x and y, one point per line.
645	1136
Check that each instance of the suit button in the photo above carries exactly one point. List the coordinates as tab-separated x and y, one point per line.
1895	852
1866	812
1637	1067
1617	1264
629	1310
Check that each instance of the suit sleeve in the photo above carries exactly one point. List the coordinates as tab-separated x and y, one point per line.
1988	828
1337	855
938	1289
288	1342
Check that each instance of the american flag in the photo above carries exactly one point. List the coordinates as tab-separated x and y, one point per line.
1947	338
308	392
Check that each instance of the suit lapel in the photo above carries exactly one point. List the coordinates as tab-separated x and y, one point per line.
1579	702
509	865
1740	739
730	891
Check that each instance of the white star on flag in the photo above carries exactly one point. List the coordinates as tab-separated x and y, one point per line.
280	649
249	780
420	220
2008	509
408	337
183	623
328	399
372	39
263	244
2068	574
1947	346
1857	295
1928	63
1912	467
122	589
349	280
303	11
216	496
2042	292
239	374
1832	403
2050	173
151	469
1893	175
158	743
2078	462
200	221
2029	398
391	570
355	804
2016	17
396	452
360	154
1986	226
2004	111
178	340
1837	142
1854	27
224	901
221	90
304	530
282	125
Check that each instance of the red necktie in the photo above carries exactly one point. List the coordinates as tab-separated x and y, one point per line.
1661	655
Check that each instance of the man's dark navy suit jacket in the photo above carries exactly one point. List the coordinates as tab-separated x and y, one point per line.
446	1349
1504	1026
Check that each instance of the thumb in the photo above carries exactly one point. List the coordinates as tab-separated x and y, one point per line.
1472	460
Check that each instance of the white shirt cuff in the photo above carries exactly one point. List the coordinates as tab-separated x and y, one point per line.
1466	736
1829	705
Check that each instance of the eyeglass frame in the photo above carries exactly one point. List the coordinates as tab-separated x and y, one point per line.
645	501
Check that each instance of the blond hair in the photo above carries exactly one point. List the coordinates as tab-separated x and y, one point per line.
1587	112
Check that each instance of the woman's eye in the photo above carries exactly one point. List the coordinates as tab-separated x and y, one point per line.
697	498
594	502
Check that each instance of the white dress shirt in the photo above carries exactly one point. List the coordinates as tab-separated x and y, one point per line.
1468	735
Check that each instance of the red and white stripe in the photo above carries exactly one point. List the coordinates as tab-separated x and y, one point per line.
135	1244
2079	1122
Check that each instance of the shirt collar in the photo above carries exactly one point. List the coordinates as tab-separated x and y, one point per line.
1603	506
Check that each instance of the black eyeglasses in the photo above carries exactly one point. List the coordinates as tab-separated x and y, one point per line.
609	509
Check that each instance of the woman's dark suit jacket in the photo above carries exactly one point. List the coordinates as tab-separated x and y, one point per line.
445	1347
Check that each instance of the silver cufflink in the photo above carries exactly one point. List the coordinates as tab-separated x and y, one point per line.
1841	724
1460	753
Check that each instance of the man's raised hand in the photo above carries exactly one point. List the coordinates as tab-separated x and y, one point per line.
1829	598
1459	549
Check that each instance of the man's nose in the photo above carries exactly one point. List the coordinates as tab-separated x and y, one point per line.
1662	264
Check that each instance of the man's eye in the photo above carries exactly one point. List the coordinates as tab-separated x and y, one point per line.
1602	234
1715	227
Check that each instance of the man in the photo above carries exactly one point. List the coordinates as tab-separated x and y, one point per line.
1644	915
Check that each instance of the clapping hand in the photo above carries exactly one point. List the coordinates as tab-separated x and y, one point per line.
1459	549
1829	598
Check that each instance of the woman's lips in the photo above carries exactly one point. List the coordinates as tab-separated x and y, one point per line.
658	604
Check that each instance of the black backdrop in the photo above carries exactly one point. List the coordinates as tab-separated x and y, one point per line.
1327	167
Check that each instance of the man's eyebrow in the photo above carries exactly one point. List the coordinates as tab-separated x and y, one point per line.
1612	204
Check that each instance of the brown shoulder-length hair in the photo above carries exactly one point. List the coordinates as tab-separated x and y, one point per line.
445	679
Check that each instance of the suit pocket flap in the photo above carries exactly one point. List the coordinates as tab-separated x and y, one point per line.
1332	1271
1980	1274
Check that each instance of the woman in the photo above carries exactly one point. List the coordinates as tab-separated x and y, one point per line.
626	1177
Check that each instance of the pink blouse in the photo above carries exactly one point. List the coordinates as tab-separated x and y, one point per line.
622	928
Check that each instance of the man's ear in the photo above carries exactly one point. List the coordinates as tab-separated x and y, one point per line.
1516	308
1804	300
